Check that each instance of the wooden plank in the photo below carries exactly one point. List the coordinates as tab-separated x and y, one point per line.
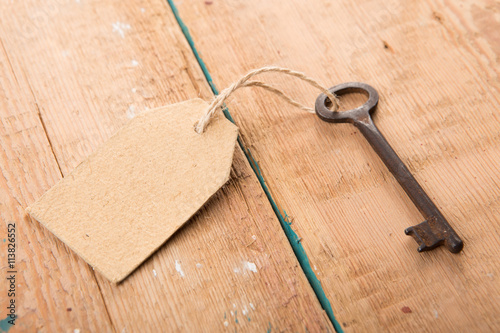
476	25
439	109
91	66
50	279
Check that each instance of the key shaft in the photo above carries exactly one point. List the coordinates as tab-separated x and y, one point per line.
434	218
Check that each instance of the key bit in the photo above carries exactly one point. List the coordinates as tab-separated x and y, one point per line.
435	230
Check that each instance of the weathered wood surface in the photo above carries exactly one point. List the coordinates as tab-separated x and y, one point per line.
51	279
71	74
435	65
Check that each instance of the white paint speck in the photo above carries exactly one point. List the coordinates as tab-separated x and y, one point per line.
76	330
154	272
124	330
234	306
250	266
198	265
77	1
226	323
134	90
131	112
490	275
232	313
178	268
65	54
251	305
143	10
120	28
245	267
254	237
315	268
435	314
244	311
135	63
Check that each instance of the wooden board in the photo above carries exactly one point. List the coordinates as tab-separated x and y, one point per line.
72	73
56	291
435	65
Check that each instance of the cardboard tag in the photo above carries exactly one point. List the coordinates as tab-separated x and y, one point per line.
126	199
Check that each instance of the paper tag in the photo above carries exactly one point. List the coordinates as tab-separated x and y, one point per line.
125	200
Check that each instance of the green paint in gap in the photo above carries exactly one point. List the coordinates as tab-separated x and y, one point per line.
189	39
4	240
297	247
5	325
294	240
269	328
203	67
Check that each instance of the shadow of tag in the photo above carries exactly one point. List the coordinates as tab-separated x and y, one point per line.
127	199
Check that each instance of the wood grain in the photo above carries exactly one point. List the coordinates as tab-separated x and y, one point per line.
79	70
435	66
51	279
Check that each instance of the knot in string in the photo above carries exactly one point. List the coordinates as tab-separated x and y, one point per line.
219	100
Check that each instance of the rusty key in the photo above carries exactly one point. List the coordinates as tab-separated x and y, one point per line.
435	230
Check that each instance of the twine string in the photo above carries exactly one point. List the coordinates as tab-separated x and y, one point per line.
219	100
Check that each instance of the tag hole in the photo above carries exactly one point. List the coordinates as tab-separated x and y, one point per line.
194	127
